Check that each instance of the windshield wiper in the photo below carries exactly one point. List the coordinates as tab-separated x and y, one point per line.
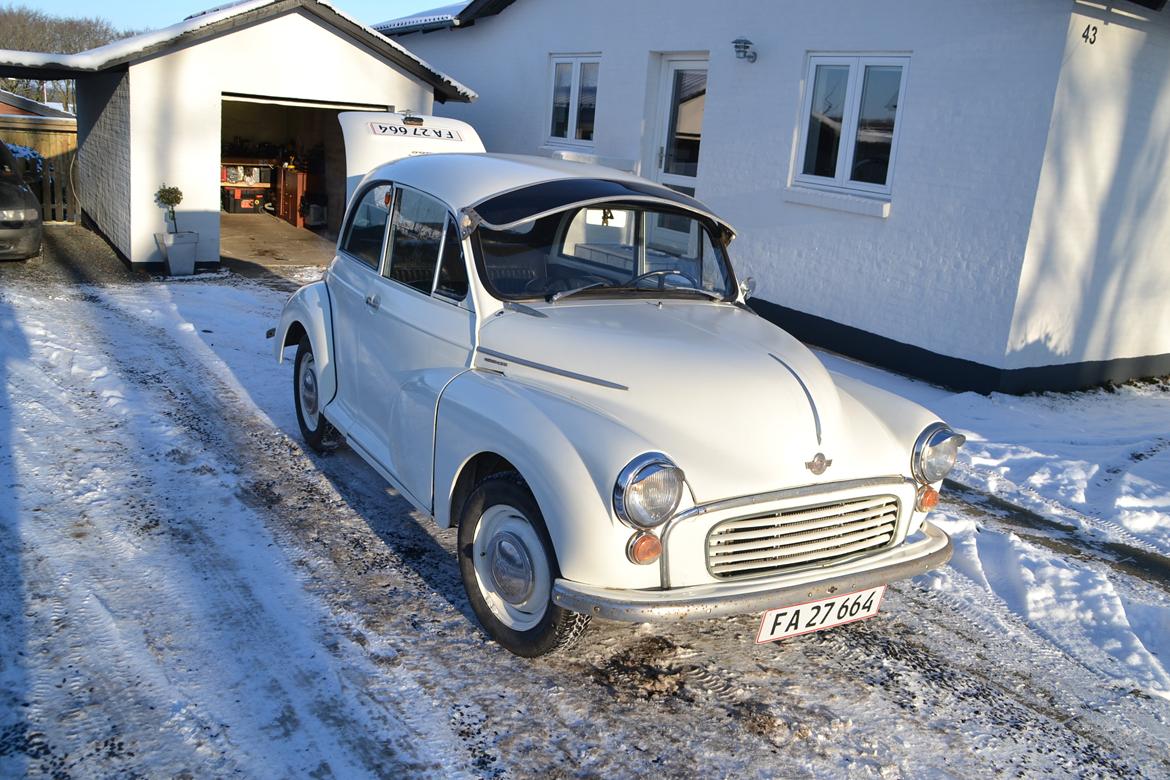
566	293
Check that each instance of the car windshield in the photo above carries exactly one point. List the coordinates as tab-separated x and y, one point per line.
605	249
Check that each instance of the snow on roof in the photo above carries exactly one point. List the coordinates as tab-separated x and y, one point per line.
442	16
36	107
127	49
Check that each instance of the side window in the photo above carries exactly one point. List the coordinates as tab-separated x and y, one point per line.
452	270
849	120
415	238
367	226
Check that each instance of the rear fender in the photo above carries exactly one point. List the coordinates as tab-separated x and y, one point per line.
308	311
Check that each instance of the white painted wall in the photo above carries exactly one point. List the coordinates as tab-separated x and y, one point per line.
176	107
1096	281
942	270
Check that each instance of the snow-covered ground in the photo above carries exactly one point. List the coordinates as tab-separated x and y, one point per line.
184	590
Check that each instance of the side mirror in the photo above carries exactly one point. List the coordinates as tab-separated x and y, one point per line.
747	288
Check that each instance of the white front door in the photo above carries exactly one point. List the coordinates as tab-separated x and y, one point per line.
682	98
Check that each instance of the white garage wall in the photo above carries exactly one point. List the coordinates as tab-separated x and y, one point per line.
176	108
1096	282
942	271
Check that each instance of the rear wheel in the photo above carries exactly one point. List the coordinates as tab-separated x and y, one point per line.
315	429
508	567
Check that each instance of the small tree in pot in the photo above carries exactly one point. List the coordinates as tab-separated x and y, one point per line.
177	246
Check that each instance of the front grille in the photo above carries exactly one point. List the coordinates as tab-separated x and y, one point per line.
761	545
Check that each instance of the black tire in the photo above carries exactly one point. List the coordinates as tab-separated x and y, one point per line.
557	628
315	429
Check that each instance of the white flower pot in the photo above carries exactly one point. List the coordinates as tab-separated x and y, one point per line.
179	251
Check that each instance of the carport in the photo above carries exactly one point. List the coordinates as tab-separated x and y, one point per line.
249	92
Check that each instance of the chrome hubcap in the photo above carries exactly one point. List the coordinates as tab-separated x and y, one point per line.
308	386
307	392
511	568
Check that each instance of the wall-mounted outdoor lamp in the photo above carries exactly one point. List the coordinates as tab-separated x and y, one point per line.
744	49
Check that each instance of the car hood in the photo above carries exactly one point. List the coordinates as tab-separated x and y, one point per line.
741	406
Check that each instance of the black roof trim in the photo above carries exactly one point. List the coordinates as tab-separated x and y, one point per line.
476	9
535	200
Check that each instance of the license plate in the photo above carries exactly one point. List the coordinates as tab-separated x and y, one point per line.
815	615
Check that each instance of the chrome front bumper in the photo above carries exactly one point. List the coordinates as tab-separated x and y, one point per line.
699	602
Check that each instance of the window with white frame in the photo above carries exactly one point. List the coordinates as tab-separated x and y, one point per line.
574	99
849	122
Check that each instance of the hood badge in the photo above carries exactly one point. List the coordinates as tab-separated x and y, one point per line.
818	464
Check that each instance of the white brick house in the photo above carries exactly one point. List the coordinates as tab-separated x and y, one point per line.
151	107
974	192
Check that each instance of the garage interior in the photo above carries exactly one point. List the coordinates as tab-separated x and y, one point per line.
283	160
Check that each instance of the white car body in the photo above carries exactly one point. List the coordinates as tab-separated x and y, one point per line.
430	391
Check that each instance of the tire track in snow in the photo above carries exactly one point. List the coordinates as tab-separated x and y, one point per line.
237	609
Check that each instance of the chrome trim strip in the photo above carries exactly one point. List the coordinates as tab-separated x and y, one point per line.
552	370
702	602
763	498
807	394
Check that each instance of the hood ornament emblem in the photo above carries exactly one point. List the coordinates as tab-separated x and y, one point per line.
818	464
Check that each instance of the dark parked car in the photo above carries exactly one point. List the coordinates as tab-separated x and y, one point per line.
20	211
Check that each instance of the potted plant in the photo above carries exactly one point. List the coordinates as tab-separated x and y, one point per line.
177	246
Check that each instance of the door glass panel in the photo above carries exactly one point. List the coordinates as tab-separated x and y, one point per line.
562	87
415	237
875	124
452	269
685	130
368	225
826	114
586	100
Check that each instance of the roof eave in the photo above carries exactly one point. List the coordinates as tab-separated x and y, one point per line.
445	88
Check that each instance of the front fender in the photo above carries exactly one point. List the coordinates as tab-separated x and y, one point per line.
569	454
310	309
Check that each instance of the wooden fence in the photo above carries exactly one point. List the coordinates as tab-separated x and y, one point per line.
56	141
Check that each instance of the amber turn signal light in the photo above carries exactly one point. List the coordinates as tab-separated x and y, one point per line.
644	548
927	498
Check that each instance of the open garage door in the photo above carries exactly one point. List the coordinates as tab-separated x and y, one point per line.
281	158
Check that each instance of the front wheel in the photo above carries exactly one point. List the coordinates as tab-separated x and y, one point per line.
315	429
508	568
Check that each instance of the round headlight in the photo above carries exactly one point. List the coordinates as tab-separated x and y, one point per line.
935	453
648	491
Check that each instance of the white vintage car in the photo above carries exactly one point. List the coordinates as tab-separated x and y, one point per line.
557	358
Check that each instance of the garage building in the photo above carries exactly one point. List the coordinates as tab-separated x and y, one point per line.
237	107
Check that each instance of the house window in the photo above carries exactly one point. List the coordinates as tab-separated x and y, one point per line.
574	99
849	122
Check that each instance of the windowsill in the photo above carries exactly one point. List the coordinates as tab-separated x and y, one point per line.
570	146
578	154
877	206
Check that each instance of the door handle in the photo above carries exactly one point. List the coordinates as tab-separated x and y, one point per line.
373	301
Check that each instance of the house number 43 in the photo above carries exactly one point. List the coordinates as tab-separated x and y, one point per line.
1089	36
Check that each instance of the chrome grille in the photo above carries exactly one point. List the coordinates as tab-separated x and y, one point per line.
761	545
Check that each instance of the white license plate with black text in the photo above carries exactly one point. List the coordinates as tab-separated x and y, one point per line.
815	615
